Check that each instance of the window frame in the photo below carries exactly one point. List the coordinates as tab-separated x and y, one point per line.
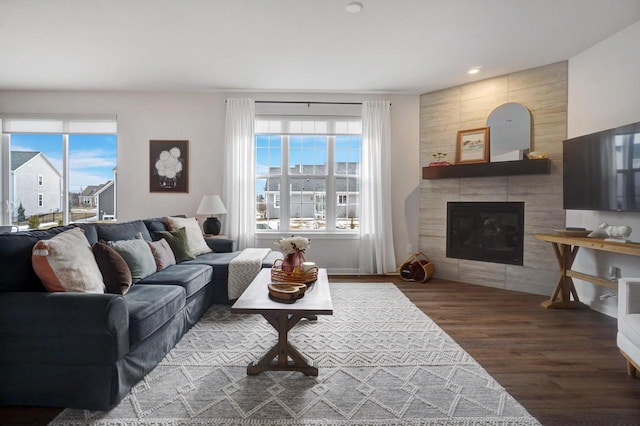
65	125
286	177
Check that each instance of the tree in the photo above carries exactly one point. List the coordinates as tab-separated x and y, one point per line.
21	216
34	222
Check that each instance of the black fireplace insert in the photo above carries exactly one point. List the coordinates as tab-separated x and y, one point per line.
486	231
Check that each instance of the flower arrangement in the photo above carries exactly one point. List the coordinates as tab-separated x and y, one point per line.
169	166
293	244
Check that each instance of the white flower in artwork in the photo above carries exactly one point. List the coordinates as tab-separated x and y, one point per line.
169	165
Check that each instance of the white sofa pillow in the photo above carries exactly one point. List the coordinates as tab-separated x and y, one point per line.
197	244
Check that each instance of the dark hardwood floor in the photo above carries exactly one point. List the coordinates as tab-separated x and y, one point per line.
563	366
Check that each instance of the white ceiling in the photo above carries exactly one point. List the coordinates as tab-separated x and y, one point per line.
399	46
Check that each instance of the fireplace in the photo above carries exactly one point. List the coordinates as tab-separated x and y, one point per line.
486	231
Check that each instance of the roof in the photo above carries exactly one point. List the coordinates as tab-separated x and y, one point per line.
18	158
93	190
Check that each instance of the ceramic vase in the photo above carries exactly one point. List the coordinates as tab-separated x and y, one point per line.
293	261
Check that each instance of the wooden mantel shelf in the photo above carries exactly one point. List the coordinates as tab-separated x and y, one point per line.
505	168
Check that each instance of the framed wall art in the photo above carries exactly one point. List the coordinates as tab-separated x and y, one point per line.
473	146
168	166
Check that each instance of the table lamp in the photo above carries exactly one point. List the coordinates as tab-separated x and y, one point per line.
211	205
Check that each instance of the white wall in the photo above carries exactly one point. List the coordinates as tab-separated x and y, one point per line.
604	92
200	118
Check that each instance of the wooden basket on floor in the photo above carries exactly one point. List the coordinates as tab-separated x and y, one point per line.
278	275
417	268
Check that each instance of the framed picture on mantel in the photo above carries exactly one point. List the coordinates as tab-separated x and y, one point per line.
473	146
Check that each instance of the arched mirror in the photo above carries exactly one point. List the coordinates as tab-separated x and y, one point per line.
510	130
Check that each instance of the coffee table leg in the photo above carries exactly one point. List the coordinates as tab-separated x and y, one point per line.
277	358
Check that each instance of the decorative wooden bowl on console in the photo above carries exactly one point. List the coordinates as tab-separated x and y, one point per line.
287	292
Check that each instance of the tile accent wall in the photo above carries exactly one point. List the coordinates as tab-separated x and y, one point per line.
543	91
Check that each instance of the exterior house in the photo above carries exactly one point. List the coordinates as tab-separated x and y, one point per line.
308	192
101	197
35	184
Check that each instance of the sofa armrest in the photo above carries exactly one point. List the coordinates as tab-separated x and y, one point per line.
220	245
63	328
628	296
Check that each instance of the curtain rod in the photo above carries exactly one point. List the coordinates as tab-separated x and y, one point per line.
309	102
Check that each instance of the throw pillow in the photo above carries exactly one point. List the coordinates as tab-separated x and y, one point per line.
197	244
138	256
115	271
65	263
178	242
162	253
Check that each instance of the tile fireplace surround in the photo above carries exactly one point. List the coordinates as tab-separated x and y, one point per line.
543	91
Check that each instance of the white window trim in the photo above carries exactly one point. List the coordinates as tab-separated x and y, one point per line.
330	206
40	201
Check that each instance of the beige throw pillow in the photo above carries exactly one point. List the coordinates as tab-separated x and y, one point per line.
66	263
196	241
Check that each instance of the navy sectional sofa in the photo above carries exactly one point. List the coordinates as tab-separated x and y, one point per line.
81	350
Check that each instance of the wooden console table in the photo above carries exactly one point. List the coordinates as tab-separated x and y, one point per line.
566	249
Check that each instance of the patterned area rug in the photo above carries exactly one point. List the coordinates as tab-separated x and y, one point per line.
381	360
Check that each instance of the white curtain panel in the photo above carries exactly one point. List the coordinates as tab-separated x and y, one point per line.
239	188
377	255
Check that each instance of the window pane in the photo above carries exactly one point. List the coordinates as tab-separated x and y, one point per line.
267	203
36	158
307	203
92	162
348	203
307	155
268	154
348	154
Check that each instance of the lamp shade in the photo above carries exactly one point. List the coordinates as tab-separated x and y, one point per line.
210	205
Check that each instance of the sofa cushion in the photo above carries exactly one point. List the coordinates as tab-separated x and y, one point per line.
115	271
197	244
138	256
15	259
178	242
122	231
150	307
66	263
162	254
191	277
154	224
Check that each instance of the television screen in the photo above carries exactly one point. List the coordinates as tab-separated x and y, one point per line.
601	171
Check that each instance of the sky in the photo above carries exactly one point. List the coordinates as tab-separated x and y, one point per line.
91	157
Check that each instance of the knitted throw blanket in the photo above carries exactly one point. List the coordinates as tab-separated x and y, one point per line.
243	269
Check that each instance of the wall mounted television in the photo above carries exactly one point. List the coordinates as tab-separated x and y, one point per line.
601	171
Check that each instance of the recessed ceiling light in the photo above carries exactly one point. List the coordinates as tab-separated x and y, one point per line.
474	70
354	7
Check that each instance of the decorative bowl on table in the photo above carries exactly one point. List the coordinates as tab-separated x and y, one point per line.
573	232
287	292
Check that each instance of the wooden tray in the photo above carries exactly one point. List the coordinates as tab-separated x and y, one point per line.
287	292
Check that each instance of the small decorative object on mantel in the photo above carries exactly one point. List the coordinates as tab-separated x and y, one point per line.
535	155
616	233
440	161
473	146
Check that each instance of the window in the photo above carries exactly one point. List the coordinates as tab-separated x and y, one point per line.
308	173
39	148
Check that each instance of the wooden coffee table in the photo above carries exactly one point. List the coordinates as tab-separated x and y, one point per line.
283	317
